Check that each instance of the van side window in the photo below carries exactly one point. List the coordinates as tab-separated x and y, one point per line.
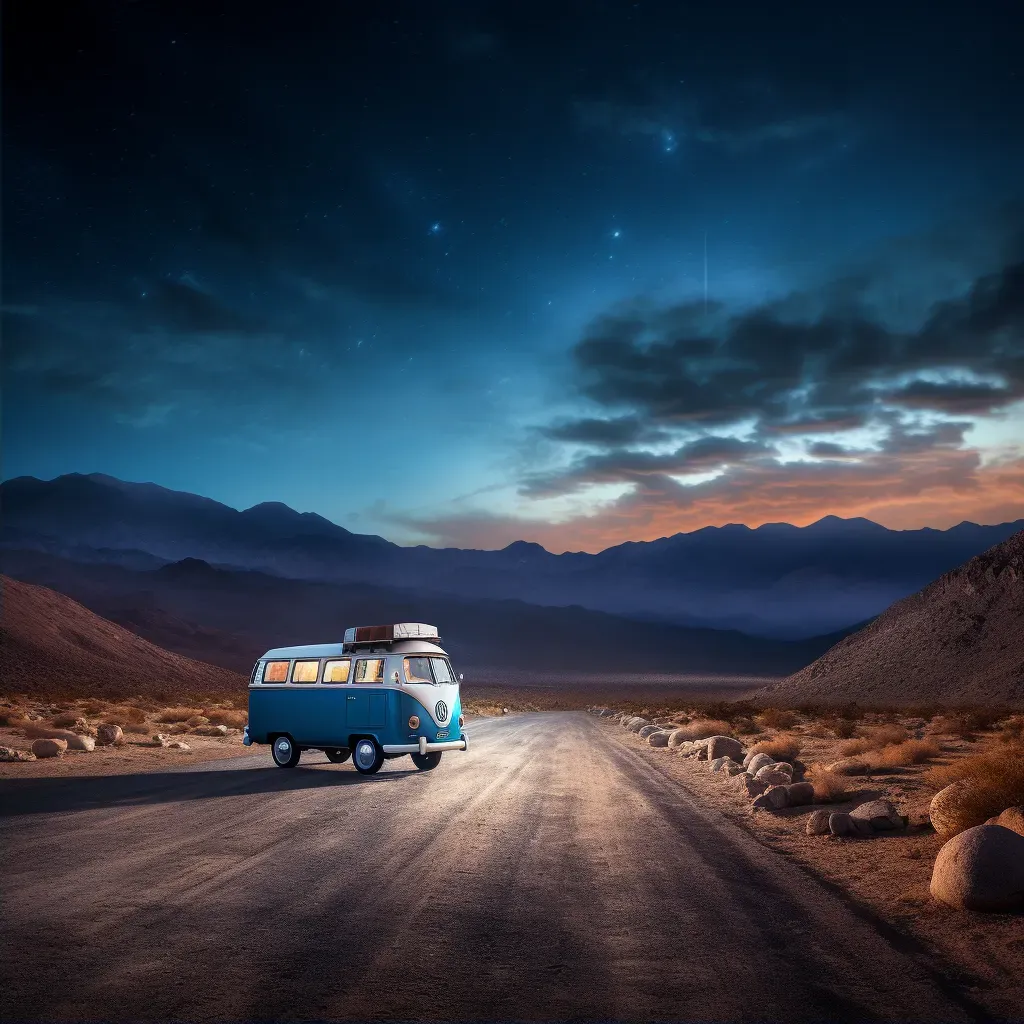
369	670
305	671
275	672
337	671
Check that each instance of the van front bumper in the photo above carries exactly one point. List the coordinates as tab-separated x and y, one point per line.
424	747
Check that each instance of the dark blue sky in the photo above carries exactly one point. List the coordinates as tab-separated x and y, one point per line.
436	271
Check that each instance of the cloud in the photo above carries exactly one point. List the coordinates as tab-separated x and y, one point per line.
621	430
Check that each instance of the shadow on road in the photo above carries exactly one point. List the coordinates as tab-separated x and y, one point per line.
84	793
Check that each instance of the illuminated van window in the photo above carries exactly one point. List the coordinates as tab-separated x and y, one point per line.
442	670
337	671
275	672
370	670
305	671
417	670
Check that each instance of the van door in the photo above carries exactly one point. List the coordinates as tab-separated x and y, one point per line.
367	701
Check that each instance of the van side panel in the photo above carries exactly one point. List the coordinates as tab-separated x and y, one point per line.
313	714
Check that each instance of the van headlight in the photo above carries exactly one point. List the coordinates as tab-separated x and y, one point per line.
462	721
414	721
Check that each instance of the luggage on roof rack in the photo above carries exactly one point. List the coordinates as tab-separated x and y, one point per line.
390	633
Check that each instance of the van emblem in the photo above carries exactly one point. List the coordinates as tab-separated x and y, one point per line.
441	710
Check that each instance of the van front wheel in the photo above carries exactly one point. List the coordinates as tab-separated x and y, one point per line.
286	753
426	761
367	756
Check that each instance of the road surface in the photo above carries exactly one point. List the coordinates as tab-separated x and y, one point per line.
549	873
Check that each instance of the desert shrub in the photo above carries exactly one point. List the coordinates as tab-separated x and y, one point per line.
14	719
775	718
1013	730
65	721
228	716
851	748
844	728
134	728
94	708
782	748
960	726
874	738
702	728
906	753
177	714
198	720
829	787
993	782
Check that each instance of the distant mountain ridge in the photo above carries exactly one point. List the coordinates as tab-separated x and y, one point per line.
776	580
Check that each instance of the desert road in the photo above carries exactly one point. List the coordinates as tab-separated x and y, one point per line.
548	873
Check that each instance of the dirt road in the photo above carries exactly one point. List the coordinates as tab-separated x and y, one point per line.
547	874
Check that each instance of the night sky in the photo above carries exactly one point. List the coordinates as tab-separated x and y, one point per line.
437	271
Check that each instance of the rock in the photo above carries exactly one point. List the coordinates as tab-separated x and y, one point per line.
86	743
10	754
817	823
210	730
49	747
734	768
178	745
757	762
943	809
799	794
644	731
724	746
658	739
1012	818
160	740
770	775
685	748
841	824
81	726
747	782
109	736
880	814
982	868
637	724
849	766
677	738
774	799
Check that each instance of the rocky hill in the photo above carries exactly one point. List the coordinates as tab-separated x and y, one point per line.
50	644
958	641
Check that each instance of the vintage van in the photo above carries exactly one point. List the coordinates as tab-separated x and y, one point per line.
386	691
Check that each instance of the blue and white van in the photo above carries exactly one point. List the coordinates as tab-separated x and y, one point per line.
386	691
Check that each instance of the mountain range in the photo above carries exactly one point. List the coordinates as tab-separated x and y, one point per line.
778	580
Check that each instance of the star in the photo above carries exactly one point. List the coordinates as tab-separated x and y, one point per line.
616	233
435	228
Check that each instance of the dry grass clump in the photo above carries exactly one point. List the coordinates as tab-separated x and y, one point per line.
993	782
782	748
13	719
776	718
177	714
1012	730
875	739
702	728
134	728
65	720
198	720
227	716
906	753
95	708
829	787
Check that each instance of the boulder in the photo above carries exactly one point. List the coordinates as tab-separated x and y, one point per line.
49	747
982	868
725	765
880	814
943	810
849	766
774	799
637	724
211	730
840	824
109	736
756	762
77	742
799	794
724	746
11	754
178	745
770	775
686	749
734	768
644	731
160	740
1012	818
658	739
677	738
817	823
748	783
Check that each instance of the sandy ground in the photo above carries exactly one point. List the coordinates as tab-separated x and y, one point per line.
549	873
886	875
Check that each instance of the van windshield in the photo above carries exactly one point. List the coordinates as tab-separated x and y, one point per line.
428	670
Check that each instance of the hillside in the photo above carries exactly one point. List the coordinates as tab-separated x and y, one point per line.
50	644
958	641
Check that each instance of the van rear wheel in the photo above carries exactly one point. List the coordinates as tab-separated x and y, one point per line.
339	756
286	754
367	756
427	761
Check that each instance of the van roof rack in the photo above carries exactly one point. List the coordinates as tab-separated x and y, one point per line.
357	635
